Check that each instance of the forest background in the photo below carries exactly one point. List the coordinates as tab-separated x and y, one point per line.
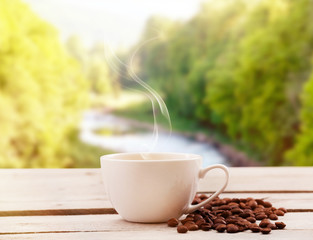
240	71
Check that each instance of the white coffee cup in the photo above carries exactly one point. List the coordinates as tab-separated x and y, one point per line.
154	187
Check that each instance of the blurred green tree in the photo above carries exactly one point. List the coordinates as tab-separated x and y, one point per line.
240	66
94	65
265	78
301	154
42	91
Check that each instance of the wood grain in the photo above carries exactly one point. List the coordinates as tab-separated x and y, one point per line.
111	223
164	235
72	204
262	179
113	227
77	191
291	201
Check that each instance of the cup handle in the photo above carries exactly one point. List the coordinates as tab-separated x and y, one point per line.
202	173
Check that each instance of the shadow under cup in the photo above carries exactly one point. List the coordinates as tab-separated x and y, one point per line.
151	187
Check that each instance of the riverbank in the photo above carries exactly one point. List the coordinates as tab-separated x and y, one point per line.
233	156
142	112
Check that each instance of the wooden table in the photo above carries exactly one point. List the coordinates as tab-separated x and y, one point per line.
72	204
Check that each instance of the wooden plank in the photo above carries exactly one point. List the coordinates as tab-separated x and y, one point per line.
77	191
253	179
112	223
262	179
113	227
157	235
290	201
42	189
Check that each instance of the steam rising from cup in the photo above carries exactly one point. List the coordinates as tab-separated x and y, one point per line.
154	96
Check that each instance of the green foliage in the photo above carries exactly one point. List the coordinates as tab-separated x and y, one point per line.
239	66
302	153
41	91
272	58
94	66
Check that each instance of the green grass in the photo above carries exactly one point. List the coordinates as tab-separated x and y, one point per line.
82	155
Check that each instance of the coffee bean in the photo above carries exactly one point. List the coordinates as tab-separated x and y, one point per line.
264	223
216	225
255	229
267	212
186	220
182	229
231	220
273	216
226	214
251	219
204	212
272	226
205	227
244	215
208	220
236	211
248	211
242	228
235	200
280	225
197	217
267	204
192	227
242	223
260	206
232	228
283	209
188	223
242	205
208	206
265	230
223	201
279	212
216	203
203	197
219	220
253	225
173	222
253	204
233	205
218	212
196	200
260	201
233	215
220	228
200	222
224	207
260	216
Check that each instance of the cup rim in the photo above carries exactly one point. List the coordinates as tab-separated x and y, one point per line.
180	157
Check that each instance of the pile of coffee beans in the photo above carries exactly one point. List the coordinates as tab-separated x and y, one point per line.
231	215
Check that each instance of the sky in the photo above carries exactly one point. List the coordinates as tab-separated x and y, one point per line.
116	22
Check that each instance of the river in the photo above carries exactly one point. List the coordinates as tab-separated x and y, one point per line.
118	134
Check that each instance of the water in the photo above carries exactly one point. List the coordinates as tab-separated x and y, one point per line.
125	135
